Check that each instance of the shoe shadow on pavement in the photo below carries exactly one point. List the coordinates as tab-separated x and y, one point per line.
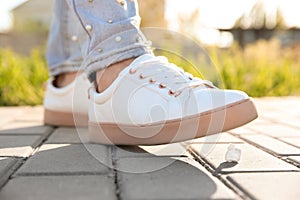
163	174
224	165
63	170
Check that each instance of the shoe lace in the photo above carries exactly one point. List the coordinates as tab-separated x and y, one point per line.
167	75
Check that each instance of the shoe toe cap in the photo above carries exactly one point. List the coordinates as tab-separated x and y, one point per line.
210	99
233	96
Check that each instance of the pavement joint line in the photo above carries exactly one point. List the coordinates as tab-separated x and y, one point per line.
258	171
113	153
286	155
279	156
291	160
41	141
278	138
202	161
287	159
12	169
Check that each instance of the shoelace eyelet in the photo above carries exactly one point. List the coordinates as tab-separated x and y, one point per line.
132	71
141	76
161	86
151	80
171	92
177	94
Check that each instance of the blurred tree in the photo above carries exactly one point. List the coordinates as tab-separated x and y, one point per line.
255	19
33	16
152	13
258	23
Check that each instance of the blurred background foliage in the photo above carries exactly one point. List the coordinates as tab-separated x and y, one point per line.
262	69
22	77
267	64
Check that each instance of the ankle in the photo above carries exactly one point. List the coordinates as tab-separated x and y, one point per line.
64	79
105	77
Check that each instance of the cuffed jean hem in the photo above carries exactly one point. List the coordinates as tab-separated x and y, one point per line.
119	47
65	68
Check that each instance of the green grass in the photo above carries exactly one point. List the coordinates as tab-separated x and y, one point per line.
22	78
260	69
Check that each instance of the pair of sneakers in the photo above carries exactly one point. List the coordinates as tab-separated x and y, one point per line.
151	102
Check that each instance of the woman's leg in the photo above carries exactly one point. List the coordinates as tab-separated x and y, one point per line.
152	101
113	30
65	43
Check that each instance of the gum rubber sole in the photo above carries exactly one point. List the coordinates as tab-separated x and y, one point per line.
56	118
207	123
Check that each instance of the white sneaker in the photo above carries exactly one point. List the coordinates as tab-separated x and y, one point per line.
58	103
155	102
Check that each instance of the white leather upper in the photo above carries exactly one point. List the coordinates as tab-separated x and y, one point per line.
72	98
134	99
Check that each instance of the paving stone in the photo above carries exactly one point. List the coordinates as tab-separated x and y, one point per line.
274	145
217	138
281	185
33	114
277	130
66	158
25	128
6	168
278	118
177	180
63	171
292	122
291	140
20	146
292	112
5	120
282	105
252	159
242	131
64	135
59	187
8	114
258	121
174	149
279	111
21	124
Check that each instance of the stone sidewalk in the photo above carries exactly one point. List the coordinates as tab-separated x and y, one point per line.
42	162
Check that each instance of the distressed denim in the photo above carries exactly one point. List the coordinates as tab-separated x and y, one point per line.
107	32
65	41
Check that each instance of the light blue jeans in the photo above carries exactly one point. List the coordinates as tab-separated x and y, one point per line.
93	34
